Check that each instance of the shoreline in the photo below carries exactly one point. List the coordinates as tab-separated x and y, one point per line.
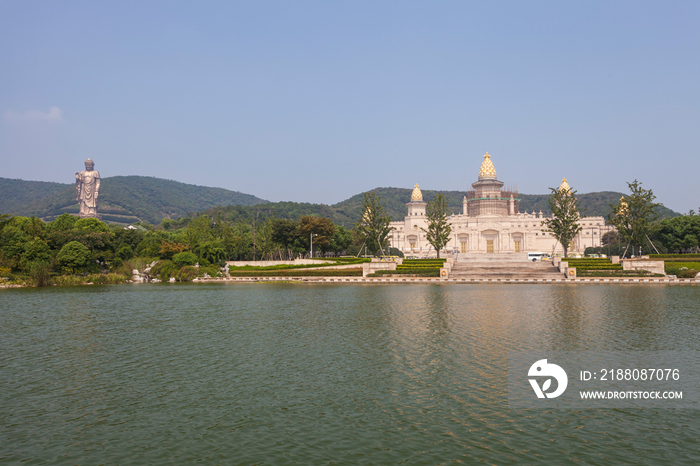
407	280
412	280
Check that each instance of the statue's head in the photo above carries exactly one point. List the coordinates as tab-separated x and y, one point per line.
89	164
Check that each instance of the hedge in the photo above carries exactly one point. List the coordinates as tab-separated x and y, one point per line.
337	261
299	273
416	272
618	273
593	264
600	267
678	259
674	256
425	260
411	266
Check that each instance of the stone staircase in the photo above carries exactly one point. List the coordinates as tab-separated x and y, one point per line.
495	266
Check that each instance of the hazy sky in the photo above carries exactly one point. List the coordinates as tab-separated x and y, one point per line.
317	101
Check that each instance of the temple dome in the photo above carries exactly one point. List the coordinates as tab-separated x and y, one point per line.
487	170
564	186
416	195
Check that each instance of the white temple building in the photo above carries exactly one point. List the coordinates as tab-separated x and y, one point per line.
491	222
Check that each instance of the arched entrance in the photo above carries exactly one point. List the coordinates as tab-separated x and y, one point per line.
489	238
518	242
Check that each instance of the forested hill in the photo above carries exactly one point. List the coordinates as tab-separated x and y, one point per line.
348	211
123	199
128	199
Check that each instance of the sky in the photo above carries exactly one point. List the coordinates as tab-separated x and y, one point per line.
318	101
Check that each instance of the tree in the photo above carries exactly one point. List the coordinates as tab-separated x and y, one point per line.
285	232
125	252
62	223
213	251
634	216
341	240
564	223
373	228
74	256
323	230
611	237
35	250
4	219
169	248
438	232
198	231
91	225
680	234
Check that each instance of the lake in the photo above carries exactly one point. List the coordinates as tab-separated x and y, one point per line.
285	373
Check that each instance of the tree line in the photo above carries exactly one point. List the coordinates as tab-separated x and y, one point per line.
638	229
70	245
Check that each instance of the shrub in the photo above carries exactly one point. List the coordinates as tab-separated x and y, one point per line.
185	258
96	279
40	272
683	269
164	270
204	262
210	270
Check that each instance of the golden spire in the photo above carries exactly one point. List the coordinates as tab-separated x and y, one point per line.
564	186
366	215
623	205
416	195
487	169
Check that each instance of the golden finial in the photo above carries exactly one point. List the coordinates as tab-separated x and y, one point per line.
623	205
487	169
564	186
416	195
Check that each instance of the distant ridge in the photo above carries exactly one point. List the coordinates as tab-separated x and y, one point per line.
123	199
128	199
347	212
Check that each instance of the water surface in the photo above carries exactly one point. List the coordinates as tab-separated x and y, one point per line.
324	374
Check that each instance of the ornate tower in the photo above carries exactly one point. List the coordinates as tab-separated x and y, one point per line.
416	207
487	197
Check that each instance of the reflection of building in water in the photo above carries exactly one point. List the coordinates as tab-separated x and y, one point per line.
491	222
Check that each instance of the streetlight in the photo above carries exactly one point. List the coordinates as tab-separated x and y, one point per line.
312	244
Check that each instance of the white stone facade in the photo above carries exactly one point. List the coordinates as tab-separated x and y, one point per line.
490	223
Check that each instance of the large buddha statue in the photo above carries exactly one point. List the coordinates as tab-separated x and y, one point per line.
87	187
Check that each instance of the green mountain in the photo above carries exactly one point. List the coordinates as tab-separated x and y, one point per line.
123	199
15	194
347	212
128	199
